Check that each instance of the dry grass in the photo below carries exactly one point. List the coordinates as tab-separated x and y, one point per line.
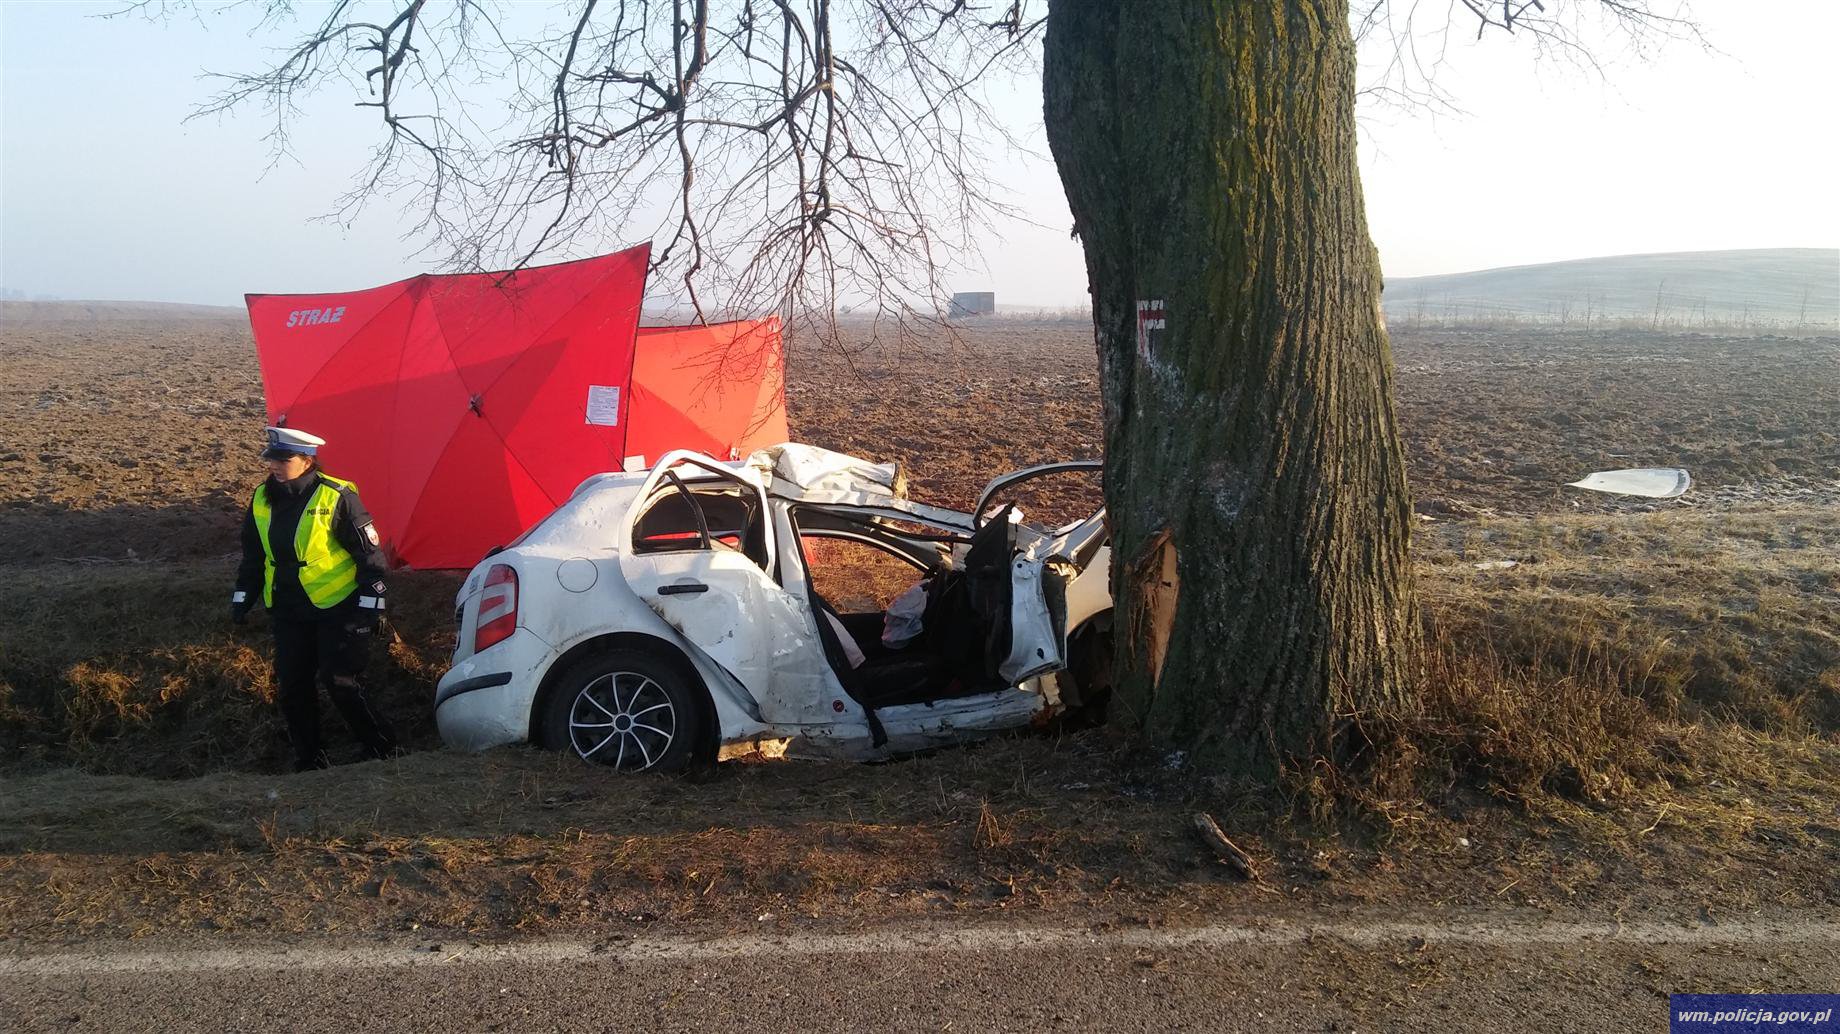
1609	740
1090	825
1611	626
1567	727
1729	616
517	839
1621	795
136	670
1619	660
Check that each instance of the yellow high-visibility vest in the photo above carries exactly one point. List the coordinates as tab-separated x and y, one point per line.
328	572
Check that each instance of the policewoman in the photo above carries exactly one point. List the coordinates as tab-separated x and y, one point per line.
311	555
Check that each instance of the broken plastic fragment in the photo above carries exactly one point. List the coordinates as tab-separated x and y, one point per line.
1652	482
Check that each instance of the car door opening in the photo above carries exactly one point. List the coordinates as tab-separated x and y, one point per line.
965	625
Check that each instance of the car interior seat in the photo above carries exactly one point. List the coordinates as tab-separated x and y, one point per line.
886	677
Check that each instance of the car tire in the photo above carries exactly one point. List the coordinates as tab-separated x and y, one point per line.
625	709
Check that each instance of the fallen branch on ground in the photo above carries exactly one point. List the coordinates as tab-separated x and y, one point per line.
1230	853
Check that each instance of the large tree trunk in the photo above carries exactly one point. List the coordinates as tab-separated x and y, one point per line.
1254	475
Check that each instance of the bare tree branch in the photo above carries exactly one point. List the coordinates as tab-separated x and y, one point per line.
1414	37
785	155
790	155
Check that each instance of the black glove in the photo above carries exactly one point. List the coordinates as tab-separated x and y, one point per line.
239	612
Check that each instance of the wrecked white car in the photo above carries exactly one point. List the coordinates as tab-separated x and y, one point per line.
665	616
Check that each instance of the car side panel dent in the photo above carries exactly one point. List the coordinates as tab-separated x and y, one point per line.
921	726
613	608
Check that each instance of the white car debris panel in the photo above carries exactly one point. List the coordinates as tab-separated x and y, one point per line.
671	614
1649	482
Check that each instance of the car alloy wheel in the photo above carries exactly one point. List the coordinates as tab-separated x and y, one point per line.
623	719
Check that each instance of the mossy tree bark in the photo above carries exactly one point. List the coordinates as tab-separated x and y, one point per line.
1255	479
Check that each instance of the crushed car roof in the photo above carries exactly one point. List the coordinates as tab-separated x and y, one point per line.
794	472
808	468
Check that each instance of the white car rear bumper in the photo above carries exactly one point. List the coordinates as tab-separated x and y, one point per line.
480	704
484	718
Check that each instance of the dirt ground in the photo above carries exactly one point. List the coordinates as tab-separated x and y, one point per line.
128	438
137	726
1024	828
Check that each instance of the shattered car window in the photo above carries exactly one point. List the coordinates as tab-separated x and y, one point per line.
671	524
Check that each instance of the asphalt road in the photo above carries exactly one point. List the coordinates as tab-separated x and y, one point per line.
1433	974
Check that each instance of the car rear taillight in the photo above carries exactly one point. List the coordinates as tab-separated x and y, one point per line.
497	607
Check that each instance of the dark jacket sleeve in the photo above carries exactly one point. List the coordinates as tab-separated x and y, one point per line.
249	572
352	526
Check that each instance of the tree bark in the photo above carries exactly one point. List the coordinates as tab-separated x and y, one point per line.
1254	475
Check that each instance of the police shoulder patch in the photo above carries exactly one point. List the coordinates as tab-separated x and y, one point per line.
370	533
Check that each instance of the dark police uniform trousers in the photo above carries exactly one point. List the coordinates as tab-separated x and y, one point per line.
319	648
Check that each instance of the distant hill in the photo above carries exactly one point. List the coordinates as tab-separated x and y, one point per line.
1786	287
1761	288
66	312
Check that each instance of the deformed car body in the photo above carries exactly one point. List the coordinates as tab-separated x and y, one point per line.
669	615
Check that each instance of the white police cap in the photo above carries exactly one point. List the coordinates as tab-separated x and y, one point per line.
285	440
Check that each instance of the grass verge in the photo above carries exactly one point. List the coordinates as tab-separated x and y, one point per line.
1662	734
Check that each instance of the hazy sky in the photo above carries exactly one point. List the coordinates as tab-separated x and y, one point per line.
106	193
